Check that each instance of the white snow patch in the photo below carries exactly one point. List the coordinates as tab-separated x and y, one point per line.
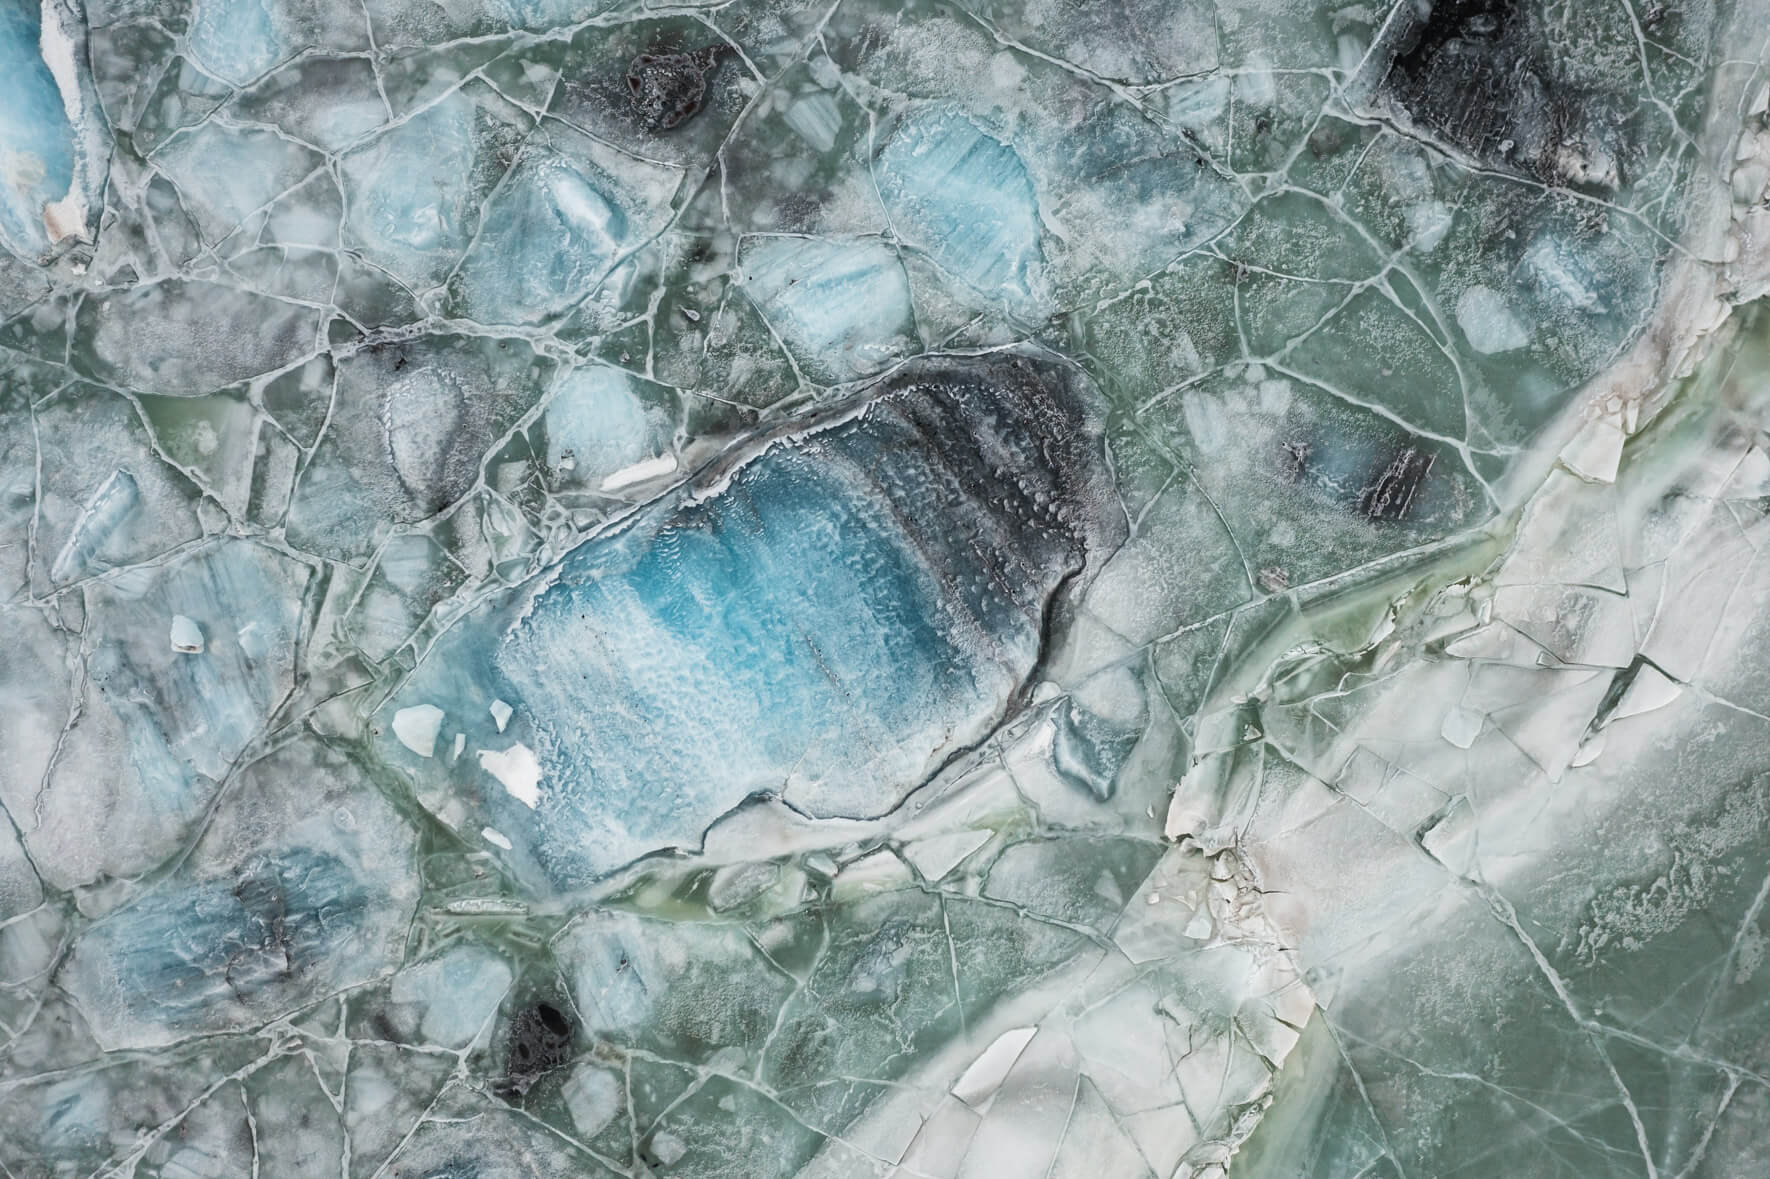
986	1074
493	835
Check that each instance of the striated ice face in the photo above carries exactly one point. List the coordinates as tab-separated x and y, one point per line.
1025	589
826	622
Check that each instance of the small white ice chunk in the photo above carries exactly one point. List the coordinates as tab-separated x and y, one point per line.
501	713
517	769
493	835
187	636
417	726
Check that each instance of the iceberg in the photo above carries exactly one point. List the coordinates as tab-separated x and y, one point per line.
708	651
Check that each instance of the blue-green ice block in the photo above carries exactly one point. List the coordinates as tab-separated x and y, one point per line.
827	622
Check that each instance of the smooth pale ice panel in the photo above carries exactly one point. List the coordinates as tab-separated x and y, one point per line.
415	190
828	624
260	165
841	307
447	1000
558	224
957	192
235	40
596	426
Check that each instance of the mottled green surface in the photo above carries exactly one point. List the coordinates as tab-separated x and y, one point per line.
1061	588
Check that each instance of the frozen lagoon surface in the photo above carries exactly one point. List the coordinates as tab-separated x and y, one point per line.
1139	589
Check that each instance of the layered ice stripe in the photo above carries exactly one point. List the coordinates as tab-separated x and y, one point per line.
826	622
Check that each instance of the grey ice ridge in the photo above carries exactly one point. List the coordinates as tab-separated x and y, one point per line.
826	589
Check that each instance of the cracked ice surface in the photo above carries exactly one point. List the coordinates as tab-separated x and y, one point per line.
819	588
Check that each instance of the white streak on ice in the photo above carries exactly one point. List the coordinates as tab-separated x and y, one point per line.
979	1082
639	472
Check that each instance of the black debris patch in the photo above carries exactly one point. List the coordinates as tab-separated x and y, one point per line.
540	1042
1477	76
1392	492
668	89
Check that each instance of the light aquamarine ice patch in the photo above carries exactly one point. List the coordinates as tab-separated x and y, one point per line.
842	307
964	196
54	145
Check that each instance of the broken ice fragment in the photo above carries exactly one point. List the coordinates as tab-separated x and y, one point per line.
187	636
235	40
114	501
557	225
162	337
153	735
517	770
604	430
409	435
842	308
501	713
417	727
416	191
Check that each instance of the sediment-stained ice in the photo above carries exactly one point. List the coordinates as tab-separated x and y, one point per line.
1012	589
297	889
